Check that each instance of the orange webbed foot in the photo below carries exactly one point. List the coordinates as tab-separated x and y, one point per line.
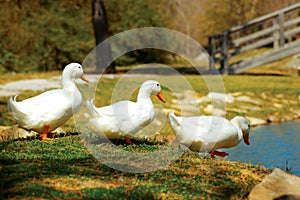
212	154
218	153
128	141
221	154
45	133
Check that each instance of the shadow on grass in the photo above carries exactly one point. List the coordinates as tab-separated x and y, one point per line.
165	71
26	166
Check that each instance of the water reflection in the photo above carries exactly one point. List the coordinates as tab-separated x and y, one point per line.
271	146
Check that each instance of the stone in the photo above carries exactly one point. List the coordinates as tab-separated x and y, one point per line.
201	100
236	110
7	93
285	101
215	96
15	132
277	105
279	96
297	113
174	101
243	98
264	96
248	99
277	185
236	94
293	102
208	109
256	121
219	112
273	119
287	118
203	57
31	84
253	108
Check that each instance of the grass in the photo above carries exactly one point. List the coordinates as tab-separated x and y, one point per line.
9	77
247	54
63	168
277	68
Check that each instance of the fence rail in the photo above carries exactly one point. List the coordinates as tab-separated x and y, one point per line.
278	30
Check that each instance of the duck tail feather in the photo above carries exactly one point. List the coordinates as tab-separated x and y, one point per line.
11	103
172	118
17	111
91	107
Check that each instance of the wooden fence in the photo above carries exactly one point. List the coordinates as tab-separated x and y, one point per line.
280	31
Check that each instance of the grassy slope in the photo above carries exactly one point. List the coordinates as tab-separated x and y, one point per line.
63	168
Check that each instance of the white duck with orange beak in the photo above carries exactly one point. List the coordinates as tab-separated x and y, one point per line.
49	110
125	118
209	133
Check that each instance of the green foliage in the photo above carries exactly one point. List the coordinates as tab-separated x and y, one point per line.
130	14
44	35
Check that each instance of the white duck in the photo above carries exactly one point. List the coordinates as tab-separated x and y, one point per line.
208	133
49	110
125	117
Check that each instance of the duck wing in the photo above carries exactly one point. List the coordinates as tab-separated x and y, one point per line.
215	132
44	108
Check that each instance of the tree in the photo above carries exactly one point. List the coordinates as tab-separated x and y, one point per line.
104	61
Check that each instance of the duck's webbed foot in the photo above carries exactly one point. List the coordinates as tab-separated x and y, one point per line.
221	154
45	133
128	141
218	153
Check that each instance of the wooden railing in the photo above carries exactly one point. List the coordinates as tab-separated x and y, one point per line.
278	30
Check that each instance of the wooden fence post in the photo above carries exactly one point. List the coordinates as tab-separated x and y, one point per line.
211	51
224	53
281	29
278	35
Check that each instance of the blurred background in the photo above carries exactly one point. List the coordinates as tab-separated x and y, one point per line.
44	35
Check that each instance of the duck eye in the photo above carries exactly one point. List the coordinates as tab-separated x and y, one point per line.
79	67
157	84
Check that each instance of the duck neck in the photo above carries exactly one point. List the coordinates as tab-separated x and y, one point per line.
237	126
144	98
68	83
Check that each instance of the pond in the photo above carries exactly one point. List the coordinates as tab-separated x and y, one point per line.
276	145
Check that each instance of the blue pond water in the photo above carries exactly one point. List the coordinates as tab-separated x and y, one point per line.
271	146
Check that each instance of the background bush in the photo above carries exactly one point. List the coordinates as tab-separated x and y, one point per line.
43	35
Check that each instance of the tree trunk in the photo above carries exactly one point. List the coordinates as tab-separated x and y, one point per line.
104	61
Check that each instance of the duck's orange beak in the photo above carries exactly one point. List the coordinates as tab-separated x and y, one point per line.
83	77
246	139
160	96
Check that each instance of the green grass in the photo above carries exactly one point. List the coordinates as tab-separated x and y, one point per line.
63	168
279	67
247	54
9	77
